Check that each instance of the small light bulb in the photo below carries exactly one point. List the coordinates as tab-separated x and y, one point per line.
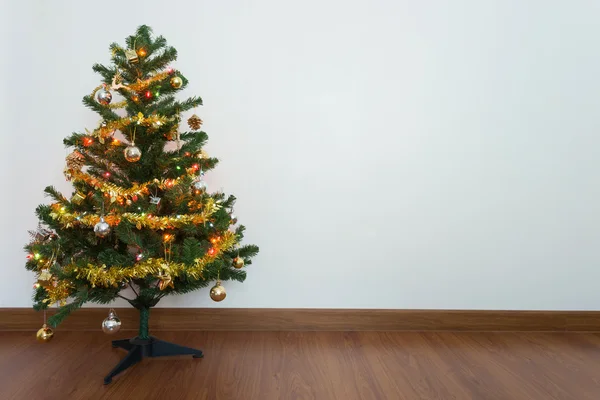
148	94
178	167
142	52
37	256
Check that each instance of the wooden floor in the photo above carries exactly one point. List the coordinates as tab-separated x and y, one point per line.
310	365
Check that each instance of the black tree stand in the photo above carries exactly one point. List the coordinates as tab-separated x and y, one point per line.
145	345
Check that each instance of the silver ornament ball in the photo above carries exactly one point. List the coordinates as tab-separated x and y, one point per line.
104	97
112	323
132	153
200	185
102	228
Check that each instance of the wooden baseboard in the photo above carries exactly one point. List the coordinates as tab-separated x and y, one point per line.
253	319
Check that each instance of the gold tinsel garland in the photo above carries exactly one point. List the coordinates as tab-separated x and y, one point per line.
153	267
143	220
59	293
117	191
152	121
142	85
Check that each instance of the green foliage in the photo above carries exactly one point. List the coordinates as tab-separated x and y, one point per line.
77	246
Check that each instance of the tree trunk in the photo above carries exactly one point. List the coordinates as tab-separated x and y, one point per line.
144	317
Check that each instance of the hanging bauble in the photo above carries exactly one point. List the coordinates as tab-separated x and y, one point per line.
132	153
238	262
102	228
194	122
104	97
112	323
217	292
45	334
176	82
200	185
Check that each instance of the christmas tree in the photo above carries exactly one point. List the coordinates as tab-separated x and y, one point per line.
140	224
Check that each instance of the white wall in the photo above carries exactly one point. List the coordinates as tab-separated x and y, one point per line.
386	154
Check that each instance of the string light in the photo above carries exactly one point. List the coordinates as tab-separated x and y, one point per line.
170	70
195	167
29	256
87	141
134	197
212	251
37	256
139	256
116	142
142	52
148	94
107	174
135	98
157	93
36	285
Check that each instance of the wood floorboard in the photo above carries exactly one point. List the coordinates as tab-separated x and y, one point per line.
310	365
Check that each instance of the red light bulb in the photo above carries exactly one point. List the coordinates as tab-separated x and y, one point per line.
212	251
148	94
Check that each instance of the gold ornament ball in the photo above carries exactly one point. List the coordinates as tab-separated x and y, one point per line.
217	292
45	334
132	153
176	82
238	262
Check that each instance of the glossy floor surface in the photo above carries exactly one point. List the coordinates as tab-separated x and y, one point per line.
309	365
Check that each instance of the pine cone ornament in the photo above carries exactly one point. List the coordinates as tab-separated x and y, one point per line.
75	161
195	122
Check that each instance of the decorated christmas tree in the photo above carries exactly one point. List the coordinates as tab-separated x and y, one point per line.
141	223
